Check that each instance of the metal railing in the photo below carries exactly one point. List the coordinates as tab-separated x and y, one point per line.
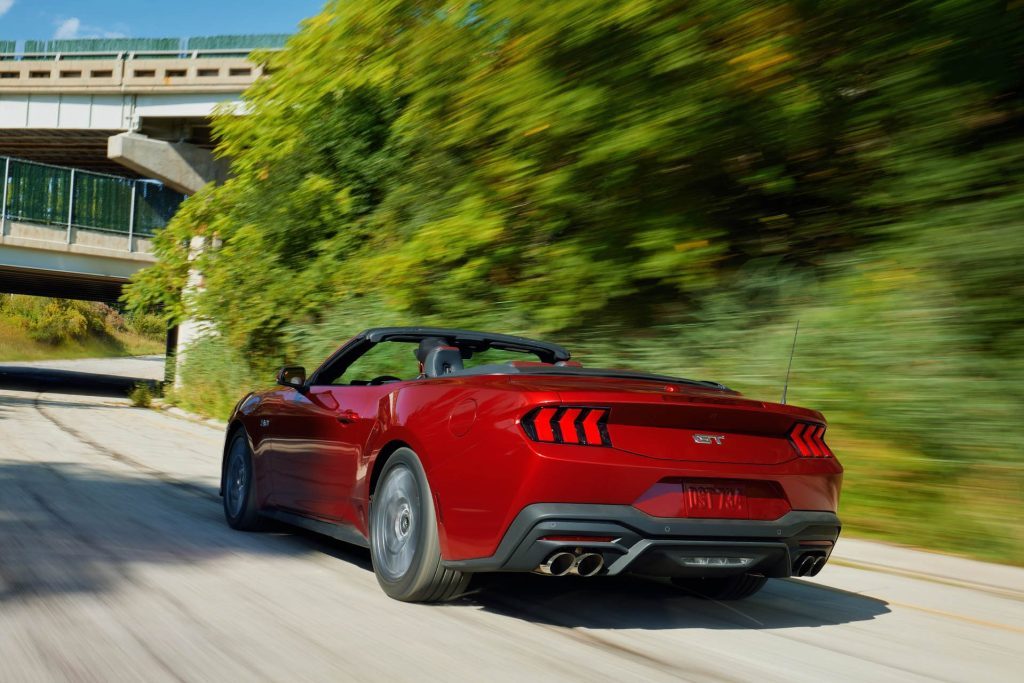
128	56
129	49
55	195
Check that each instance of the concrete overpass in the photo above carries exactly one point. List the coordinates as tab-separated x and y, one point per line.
143	113
86	127
44	260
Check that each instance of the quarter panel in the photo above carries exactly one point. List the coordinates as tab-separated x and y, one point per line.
475	470
482	475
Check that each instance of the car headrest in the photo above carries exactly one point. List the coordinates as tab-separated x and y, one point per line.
442	360
427	345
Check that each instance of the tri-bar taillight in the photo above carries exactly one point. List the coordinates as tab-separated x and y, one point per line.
568	424
809	440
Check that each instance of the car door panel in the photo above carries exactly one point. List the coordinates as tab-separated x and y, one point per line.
318	448
278	439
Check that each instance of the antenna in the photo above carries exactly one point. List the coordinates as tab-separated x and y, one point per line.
785	386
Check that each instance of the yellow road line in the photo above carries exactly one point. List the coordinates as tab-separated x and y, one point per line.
907	573
960	617
906	605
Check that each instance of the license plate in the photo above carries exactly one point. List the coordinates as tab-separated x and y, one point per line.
721	502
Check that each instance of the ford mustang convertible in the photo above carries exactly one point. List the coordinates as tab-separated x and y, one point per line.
449	452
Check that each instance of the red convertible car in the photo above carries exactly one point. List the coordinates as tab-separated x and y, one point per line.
491	453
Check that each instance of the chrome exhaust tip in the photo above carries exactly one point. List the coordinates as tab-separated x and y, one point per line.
588	564
805	565
559	564
819	564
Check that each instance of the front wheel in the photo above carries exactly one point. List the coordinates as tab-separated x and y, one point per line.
722	587
404	544
240	506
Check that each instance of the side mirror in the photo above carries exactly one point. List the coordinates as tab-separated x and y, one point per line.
293	376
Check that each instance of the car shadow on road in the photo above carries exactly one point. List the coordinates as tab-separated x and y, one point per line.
639	603
314	542
635	602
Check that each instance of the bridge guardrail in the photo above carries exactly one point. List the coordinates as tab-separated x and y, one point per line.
76	199
196	47
128	56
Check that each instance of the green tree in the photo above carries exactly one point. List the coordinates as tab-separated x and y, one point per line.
685	178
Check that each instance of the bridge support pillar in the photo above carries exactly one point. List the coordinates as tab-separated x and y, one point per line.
170	355
190	329
179	165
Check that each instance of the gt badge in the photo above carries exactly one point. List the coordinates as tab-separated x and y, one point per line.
708	439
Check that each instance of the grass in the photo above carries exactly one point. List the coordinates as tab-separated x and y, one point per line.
142	395
17	345
897	495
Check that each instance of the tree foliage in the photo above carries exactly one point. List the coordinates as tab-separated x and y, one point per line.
691	177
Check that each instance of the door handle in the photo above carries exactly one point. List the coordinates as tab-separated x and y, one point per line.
347	416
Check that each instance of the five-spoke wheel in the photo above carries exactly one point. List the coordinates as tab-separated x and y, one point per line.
404	543
395	530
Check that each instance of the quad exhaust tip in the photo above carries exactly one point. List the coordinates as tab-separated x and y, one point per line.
562	563
588	564
559	564
809	565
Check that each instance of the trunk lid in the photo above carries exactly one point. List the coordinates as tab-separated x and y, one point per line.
682	422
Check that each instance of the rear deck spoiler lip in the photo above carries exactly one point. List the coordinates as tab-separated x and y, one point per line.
569	371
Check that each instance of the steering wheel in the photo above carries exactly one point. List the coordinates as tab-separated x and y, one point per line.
380	379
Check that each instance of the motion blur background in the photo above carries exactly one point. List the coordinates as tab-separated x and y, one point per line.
661	185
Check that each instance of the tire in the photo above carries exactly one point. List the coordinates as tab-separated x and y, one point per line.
404	546
240	506
722	587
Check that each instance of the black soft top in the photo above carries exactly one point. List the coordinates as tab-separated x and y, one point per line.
545	351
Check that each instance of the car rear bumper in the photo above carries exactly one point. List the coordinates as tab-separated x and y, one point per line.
663	546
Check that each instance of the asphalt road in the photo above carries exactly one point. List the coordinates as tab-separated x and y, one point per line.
116	564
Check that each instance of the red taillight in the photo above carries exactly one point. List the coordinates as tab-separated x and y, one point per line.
542	424
568	424
809	440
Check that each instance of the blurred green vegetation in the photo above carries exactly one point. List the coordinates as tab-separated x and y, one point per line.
662	185
40	328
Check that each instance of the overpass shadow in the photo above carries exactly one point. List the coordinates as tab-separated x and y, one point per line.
74	528
31	378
